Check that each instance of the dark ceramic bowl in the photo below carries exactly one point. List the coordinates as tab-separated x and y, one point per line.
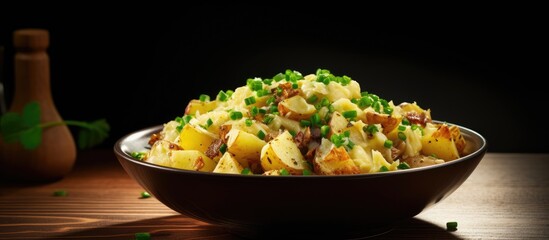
350	206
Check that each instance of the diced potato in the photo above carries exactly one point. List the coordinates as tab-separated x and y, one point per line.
342	105
245	147
376	142
378	161
357	134
361	158
196	106
160	153
389	122
228	164
330	160
337	124
195	138
288	124
337	91
169	132
296	108
415	113
413	145
283	153
192	160
439	142
217	118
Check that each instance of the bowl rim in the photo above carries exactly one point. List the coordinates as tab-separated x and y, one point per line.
126	156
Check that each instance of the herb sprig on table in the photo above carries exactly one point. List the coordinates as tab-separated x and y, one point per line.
26	128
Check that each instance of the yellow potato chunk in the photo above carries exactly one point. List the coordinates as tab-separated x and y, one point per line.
228	164
245	147
195	138
192	160
283	153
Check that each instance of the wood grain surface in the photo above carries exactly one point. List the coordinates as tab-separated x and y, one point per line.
506	197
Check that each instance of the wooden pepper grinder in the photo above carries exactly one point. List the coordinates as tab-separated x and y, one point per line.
55	156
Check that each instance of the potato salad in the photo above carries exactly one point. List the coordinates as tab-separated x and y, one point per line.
295	124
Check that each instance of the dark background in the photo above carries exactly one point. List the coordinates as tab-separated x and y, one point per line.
138	66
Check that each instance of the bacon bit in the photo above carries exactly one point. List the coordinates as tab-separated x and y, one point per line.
174	146
213	149
154	137
199	163
310	155
223	130
287	92
302	140
417	118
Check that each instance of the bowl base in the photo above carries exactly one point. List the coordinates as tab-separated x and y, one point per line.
309	233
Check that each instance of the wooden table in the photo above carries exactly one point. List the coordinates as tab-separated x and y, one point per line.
506	197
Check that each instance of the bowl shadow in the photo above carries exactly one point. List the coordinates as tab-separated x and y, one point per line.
181	227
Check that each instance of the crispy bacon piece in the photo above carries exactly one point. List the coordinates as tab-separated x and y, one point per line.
417	118
287	92
302	140
213	149
154	137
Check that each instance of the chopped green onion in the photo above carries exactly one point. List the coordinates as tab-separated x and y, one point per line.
305	123
270	100
246	171
403	165
262	92
222	96
315	119
402	136
204	98
254	111
371	129
331	108
209	122
312	99
142	236
255	84
60	193
279	77
273	109
350	114
262	111
268	81
347	134
295	86
292	132
284	172
235	115
325	102
138	155
223	148
307	172
451	226
405	121
249	122
388	143
401	128
145	195
261	135
249	100
388	110
364	102
324	130
383	169
345	80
